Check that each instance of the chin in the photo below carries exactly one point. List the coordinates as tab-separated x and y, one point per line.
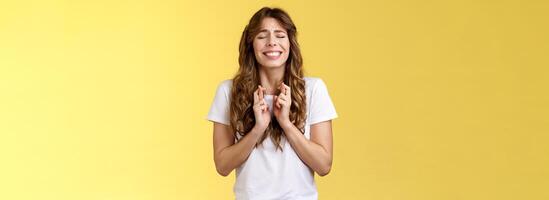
273	65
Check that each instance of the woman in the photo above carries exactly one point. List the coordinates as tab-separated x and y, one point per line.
270	123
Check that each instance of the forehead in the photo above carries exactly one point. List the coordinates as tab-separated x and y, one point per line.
270	24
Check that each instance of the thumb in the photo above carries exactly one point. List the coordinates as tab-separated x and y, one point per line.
275	102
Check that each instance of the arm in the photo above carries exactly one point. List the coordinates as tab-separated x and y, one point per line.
227	154
316	152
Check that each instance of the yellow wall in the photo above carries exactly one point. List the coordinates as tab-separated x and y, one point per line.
437	99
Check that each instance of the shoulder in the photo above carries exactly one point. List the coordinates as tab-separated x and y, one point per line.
223	91
313	83
225	85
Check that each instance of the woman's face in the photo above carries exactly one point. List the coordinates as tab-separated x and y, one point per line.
271	44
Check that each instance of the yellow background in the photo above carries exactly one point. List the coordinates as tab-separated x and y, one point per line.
106	100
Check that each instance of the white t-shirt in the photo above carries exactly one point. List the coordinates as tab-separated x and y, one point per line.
269	173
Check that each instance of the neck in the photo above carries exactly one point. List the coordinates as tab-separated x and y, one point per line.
270	78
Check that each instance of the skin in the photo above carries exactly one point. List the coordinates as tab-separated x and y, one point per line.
315	153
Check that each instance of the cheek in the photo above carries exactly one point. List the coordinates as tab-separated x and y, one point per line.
286	45
256	45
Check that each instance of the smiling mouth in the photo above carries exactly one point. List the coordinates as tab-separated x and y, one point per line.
272	54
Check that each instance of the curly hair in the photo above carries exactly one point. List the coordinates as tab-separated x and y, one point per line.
247	78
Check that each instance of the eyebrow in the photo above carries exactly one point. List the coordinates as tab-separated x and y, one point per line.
276	31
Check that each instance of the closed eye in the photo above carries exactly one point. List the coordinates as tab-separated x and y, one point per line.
278	36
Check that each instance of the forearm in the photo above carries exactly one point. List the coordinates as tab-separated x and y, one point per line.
233	156
314	155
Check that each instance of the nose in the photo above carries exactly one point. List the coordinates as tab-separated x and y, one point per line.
271	42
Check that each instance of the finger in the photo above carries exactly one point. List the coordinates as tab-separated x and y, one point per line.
283	102
286	89
281	88
282	97
256	96
260	92
264	91
264	104
276	101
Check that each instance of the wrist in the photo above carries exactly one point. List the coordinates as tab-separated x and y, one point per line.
259	129
285	124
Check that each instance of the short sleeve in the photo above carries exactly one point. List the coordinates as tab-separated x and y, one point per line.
321	108
219	110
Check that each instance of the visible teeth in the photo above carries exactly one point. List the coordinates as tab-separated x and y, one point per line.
276	53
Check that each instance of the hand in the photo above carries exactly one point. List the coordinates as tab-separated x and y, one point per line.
282	104
261	109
